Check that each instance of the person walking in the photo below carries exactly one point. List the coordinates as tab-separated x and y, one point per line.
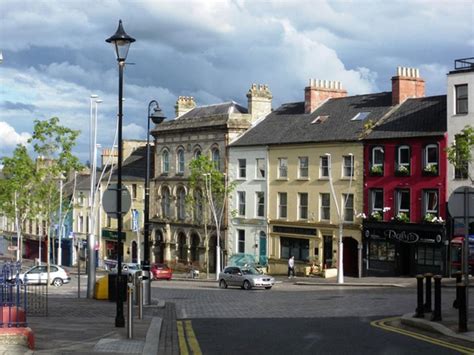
291	267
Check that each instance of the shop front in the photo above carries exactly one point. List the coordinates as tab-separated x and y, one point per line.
404	249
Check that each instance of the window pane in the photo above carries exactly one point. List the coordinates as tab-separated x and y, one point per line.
260	168
431	155
324	172
348	169
461	99
432	201
377	156
377	197
404	201
242	168
283	168
303	166
404	156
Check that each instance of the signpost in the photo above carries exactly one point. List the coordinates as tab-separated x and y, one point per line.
461	207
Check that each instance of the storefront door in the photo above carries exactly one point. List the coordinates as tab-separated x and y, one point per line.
405	259
350	257
327	251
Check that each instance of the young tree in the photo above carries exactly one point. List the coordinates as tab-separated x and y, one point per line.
18	190
53	143
460	153
215	189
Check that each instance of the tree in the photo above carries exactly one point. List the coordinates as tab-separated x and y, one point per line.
18	190
213	184
460	152
53	143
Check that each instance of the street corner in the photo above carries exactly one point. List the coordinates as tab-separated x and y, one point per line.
425	331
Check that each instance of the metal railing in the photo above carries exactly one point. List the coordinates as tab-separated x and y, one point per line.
464	64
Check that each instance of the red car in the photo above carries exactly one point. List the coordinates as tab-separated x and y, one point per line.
161	271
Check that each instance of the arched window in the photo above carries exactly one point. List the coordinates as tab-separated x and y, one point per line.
165	162
197	153
216	158
377	161
180	205
165	202
182	252
198	205
431	159
403	160
180	161
194	247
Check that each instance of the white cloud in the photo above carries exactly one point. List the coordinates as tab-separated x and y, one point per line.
10	138
134	131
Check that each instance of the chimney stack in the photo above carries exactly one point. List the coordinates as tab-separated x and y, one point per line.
259	101
319	91
184	104
407	84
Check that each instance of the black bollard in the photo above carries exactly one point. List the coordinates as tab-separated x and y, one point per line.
458	276
461	291
427	306
419	309
436	316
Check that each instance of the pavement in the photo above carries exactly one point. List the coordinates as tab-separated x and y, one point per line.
87	326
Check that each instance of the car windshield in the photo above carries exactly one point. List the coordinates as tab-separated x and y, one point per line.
250	271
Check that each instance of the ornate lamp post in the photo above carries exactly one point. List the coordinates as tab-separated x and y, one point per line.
157	117
121	42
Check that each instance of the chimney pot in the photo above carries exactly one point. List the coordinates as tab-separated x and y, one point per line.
320	90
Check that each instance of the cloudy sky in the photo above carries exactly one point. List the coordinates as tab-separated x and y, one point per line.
55	55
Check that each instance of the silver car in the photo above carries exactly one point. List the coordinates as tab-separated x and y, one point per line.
245	277
39	274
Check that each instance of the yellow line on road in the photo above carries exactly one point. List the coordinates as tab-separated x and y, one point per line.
382	324
183	347
192	340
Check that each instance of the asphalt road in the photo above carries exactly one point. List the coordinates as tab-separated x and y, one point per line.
292	319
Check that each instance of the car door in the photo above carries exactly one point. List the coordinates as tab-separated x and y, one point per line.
32	276
43	275
237	277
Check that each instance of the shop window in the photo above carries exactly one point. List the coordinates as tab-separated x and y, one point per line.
461	99
324	167
377	161
429	255
282	205
348	166
260	165
430	166
348	203
303	167
402	166
381	250
299	248
325	210
282	168
241	241
242	173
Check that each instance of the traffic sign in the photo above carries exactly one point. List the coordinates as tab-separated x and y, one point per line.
456	202
109	200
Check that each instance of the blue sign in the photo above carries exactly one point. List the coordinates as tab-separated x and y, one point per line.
135	217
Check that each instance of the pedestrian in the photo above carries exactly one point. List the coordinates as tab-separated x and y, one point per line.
291	267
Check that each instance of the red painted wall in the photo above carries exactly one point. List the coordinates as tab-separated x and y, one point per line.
416	182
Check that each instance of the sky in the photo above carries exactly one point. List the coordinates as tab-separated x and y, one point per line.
55	55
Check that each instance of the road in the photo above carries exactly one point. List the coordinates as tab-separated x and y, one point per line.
291	319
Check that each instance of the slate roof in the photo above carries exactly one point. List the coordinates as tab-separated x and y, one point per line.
414	118
134	167
289	124
213	110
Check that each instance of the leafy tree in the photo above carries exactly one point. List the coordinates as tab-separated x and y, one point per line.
18	189
206	178
460	152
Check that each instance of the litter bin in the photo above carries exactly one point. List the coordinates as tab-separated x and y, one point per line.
113	277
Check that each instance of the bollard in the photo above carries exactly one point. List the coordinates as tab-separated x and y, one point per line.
427	306
130	310
419	309
458	276
140	298
436	316
461	291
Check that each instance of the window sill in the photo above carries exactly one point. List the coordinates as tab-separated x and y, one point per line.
348	178
303	179
461	114
240	179
260	178
282	179
323	178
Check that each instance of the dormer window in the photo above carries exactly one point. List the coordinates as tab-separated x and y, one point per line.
320	119
360	116
377	161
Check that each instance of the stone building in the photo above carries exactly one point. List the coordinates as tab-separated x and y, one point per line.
178	237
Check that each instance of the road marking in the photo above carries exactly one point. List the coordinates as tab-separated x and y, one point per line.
188	343
183	347
381	323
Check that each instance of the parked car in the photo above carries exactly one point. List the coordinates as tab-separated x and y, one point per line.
39	275
161	271
127	268
245	277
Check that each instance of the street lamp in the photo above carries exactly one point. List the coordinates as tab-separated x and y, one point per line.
61	179
121	42
157	117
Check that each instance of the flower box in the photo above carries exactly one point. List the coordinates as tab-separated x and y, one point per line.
402	170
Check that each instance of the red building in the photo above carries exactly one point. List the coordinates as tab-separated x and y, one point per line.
405	185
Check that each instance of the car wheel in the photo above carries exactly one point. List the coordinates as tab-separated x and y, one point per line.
268	287
57	282
222	284
247	285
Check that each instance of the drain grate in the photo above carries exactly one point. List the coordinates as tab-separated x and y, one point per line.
108	345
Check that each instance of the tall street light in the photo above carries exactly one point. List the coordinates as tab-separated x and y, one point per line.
61	179
121	42
157	117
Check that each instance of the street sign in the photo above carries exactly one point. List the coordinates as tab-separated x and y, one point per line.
109	200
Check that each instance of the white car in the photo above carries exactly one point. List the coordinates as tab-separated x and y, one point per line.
246	278
39	275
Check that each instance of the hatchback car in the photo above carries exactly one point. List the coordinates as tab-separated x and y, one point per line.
161	271
245	277
39	275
